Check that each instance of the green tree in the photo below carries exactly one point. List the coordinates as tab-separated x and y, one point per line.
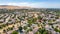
43	31
39	17
14	32
25	27
20	29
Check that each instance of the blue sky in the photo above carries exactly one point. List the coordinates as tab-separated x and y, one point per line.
33	3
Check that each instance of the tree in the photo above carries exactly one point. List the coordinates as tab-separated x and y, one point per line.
39	17
57	30
1	27
25	27
31	21
37	32
43	31
20	29
14	32
4	30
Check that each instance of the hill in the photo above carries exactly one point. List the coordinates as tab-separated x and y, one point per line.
12	7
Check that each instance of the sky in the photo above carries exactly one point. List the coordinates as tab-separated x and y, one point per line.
32	3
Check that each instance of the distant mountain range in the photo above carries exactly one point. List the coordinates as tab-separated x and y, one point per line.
12	7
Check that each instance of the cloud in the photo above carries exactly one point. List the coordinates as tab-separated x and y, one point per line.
35	4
